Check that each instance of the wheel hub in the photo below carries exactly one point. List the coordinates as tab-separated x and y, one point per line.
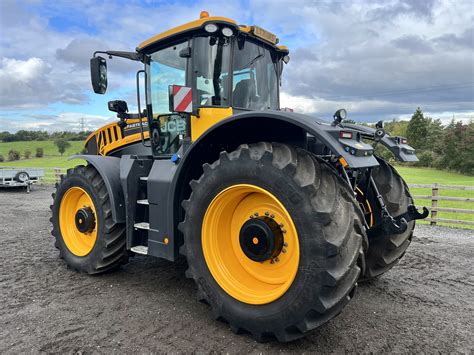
261	239
85	220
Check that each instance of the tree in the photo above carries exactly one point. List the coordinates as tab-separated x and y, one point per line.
397	128
458	148
417	130
13	155
62	145
39	152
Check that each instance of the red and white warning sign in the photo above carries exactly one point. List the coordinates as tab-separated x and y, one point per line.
181	99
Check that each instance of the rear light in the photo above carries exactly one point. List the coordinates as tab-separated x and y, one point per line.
345	134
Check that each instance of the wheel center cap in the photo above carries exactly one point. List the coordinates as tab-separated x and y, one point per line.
261	239
85	220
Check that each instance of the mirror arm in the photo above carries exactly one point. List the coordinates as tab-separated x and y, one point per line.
128	55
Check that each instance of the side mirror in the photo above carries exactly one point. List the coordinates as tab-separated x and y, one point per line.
99	74
180	99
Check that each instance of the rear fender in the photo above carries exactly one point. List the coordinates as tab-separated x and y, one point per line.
259	124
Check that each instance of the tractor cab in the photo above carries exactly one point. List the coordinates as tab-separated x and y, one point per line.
228	68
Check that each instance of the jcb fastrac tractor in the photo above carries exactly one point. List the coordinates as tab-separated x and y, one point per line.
278	214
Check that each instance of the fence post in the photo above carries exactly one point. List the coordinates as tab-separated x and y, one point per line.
57	174
434	203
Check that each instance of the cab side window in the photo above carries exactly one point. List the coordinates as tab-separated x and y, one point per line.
166	68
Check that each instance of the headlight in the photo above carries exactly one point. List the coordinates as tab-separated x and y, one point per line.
211	28
226	31
343	114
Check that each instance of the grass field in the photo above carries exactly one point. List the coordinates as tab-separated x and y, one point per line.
52	159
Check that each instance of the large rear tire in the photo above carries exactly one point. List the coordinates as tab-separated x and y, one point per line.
385	251
303	201
87	237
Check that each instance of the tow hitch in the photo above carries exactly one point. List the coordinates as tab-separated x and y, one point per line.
393	225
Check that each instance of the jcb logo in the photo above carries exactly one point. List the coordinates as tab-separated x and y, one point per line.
174	126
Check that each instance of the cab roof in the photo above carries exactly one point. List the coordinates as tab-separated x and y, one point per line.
187	28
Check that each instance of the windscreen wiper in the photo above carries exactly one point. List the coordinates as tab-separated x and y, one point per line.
260	55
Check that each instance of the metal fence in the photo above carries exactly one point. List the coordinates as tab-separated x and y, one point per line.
52	175
435	198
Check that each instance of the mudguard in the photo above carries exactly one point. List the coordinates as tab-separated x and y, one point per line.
402	152
356	153
109	170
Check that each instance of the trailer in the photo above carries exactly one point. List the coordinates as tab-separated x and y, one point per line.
20	177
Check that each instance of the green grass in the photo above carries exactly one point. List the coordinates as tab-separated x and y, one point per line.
51	158
430	176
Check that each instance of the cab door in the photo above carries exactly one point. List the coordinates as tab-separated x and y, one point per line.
167	66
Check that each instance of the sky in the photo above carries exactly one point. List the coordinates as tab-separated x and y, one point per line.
377	59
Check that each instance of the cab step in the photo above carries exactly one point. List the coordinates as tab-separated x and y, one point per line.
140	249
142	225
143	202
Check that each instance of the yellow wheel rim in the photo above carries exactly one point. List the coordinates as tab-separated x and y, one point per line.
78	243
249	281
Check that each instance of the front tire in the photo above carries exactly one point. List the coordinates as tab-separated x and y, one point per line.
87	237
385	251
312	281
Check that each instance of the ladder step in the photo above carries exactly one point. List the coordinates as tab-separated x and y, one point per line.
144	178
143	202
140	249
142	225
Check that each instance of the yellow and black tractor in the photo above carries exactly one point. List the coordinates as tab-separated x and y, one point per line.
278	214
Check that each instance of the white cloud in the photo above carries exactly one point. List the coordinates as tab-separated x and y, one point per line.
29	84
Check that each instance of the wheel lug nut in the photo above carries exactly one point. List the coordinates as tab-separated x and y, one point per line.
256	214
267	214
281	225
283	250
283	231
271	261
272	216
276	259
285	244
251	217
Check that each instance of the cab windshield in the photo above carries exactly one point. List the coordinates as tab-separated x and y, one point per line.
255	79
251	84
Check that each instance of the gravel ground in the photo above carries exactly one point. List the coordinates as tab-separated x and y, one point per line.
425	304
